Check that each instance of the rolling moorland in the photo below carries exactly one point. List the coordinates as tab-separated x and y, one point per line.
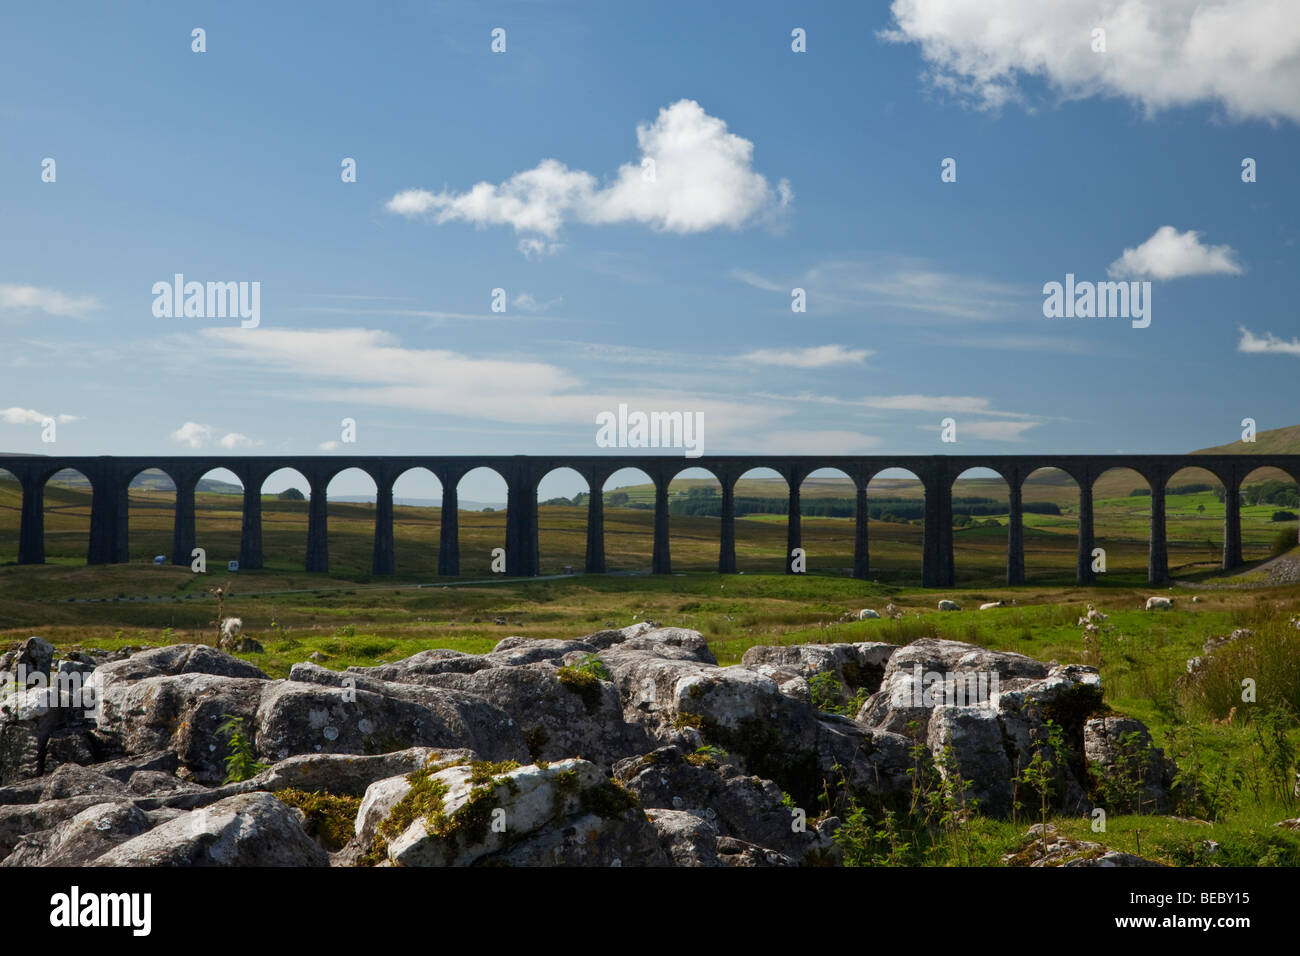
1233	768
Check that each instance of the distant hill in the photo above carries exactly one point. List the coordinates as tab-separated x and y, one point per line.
1275	441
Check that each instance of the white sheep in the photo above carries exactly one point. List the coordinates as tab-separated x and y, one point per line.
946	605
867	614
1159	603
231	628
992	604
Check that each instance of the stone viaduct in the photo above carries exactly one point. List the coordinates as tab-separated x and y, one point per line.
111	476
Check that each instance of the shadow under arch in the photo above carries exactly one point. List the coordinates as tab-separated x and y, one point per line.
1050	521
980	549
481	521
694	542
762	502
11	515
285	496
1267	493
896	514
562	516
1194	522
149	528
1121	538
350	523
68	498
218	517
828	511
417	494
628	495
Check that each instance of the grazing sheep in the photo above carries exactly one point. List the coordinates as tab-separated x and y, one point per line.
992	604
231	628
1159	603
946	605
866	614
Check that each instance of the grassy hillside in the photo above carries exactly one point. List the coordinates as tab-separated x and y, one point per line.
1274	441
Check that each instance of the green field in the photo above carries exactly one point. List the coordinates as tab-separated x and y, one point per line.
351	618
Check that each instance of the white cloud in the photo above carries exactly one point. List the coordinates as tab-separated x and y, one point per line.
528	303
898	284
1243	55
817	356
197	436
990	430
533	248
49	301
192	434
354	366
29	416
1170	254
703	180
1267	344
926	403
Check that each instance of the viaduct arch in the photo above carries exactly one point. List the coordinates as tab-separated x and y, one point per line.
111	476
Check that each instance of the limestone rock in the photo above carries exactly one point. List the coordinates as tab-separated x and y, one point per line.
252	829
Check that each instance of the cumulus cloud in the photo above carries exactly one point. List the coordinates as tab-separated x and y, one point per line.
50	301
1170	254
235	440
195	435
692	176
817	356
1241	55
1266	344
30	416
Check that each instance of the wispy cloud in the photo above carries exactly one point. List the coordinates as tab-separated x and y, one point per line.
1266	344
26	298
29	416
373	367
527	302
989	430
896	285
817	356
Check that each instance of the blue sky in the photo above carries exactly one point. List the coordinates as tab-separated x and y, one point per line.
775	170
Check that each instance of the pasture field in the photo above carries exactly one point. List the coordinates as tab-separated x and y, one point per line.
350	617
